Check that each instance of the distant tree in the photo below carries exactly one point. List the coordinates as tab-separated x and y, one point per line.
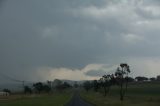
158	78
152	79
46	88
38	86
27	90
66	85
60	86
140	78
76	85
122	78
87	85
57	83
106	83
96	85
130	79
49	83
6	90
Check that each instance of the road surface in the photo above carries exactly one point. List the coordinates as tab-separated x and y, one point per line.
77	101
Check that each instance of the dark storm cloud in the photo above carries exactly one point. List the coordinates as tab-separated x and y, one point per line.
73	34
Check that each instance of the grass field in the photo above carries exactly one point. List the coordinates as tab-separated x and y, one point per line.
143	94
55	99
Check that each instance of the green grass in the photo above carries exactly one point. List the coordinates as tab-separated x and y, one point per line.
146	94
56	99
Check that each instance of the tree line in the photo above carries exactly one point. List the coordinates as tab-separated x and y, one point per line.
120	78
48	87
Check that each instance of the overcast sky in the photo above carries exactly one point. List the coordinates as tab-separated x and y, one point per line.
78	39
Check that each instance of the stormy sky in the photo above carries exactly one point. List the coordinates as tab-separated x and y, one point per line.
78	39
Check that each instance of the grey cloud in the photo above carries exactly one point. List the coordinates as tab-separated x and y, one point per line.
96	73
101	72
72	39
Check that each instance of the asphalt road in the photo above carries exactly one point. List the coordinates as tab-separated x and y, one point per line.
77	101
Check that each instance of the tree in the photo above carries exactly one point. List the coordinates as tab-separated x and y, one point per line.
152	79
27	90
106	83
158	78
46	88
75	85
96	85
49	83
87	85
7	90
140	78
122	78
130	79
66	85
38	86
57	83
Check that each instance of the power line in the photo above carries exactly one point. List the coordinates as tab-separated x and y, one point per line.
11	78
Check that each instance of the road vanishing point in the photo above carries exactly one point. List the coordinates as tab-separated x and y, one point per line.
77	101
